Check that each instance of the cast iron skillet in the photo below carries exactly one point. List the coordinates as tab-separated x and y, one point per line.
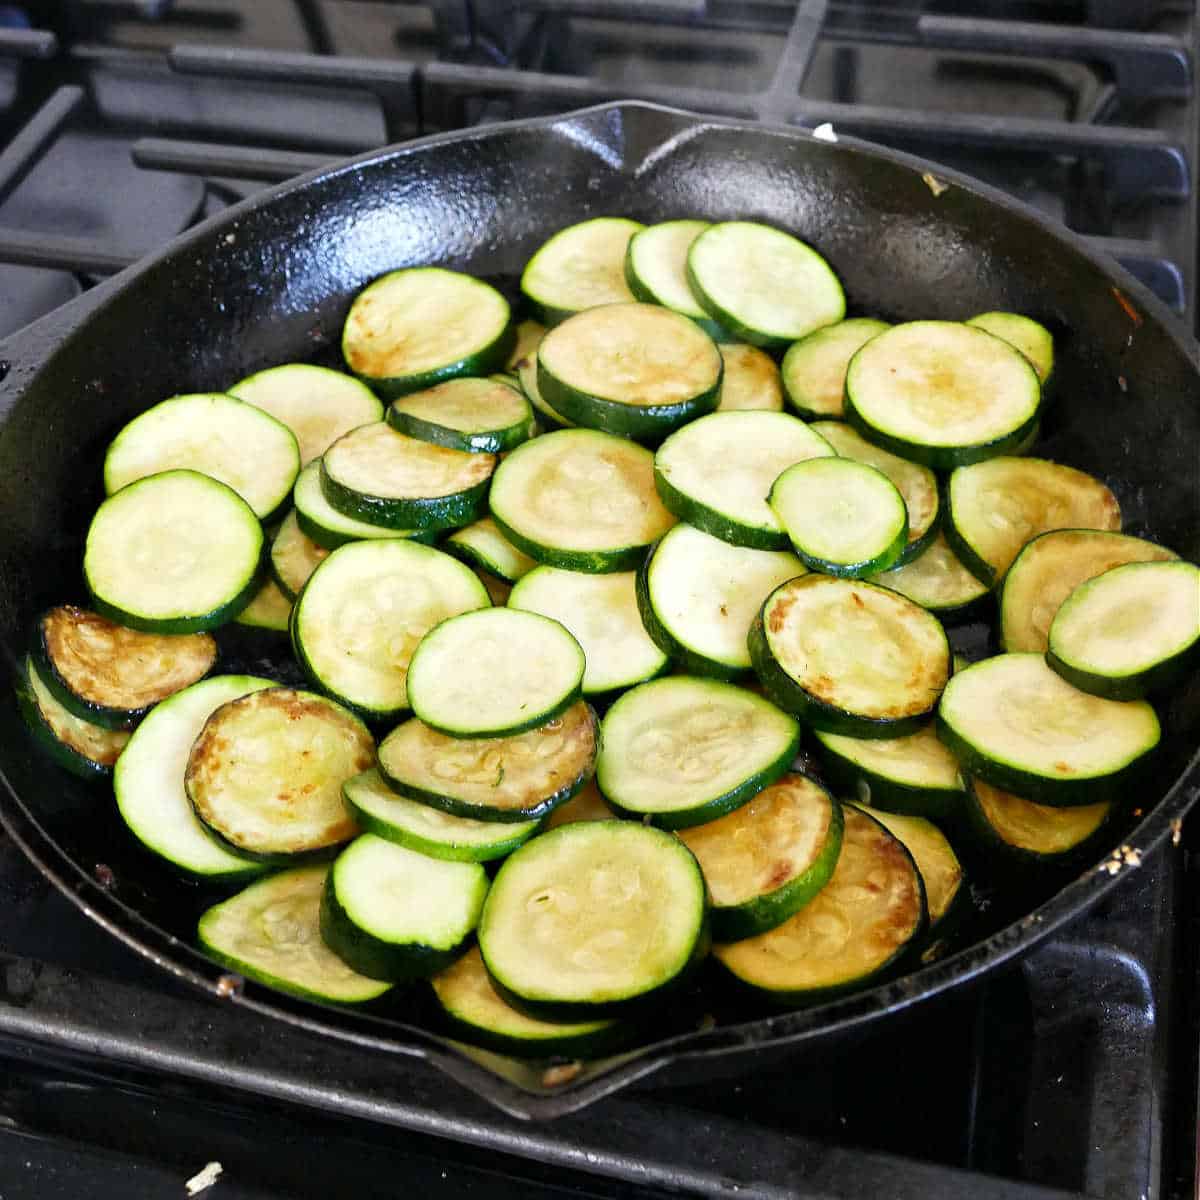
270	281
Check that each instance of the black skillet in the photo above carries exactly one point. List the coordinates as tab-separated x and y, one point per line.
270	281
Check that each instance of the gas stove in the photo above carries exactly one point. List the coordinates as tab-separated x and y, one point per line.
1071	1073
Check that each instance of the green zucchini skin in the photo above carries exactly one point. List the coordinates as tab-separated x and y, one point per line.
595	1044
369	823
424	513
221	615
962	548
492	442
594	562
709	520
1131	687
714	329
852	779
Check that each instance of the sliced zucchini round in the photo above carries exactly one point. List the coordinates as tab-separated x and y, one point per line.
857	925
173	553
698	597
318	405
270	609
1024	832
391	913
1032	339
750	381
581	500
494	672
917	484
580	267
914	775
419	326
1049	568
814	369
1014	723
941	393
378	475
766	860
1130	631
716	472
763	285
148	780
475	415
217	435
601	613
269	932
81	746
656	269
529	335
294	556
323	524
477	1013
594	919
636	370
112	676
586	805
680	751
935	580
843	517
428	830
483	545
361	615
265	773
941	872
549	418
512	780
850	657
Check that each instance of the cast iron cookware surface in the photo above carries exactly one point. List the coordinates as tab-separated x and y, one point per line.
270	281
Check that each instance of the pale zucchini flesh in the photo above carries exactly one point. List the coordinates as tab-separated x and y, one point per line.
511	779
1037	832
483	545
529	335
294	556
475	415
586	805
813	370
656	266
548	416
751	380
681	750
1033	340
935	580
580	267
270	609
323	524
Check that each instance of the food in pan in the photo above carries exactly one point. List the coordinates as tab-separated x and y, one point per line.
567	605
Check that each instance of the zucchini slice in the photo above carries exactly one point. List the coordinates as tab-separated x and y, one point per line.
391	913
1130	631
270	609
680	751
498	589
915	775
1032	339
483	545
1049	568
81	746
477	1013
148	780
1024	832
698	597
173	553
361	615
942	394
378	475
419	326
112	676
631	369
656	269
593	920
994	508
318	405
494	672
850	657
843	517
294	556
527	372
322	523
917	484
935	580
529	335
750	380
217	435
427	830
813	370
581	500
940	870
586	805
475	415
766	860
716	472
763	285
269	932
580	267
856	926
512	780
1014	723
601	613
265	773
